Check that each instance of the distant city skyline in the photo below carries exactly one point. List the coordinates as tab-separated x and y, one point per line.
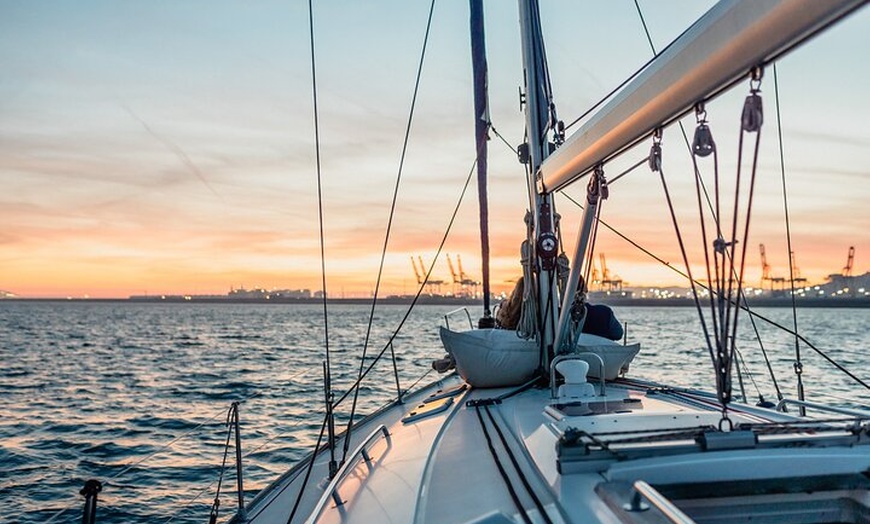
168	148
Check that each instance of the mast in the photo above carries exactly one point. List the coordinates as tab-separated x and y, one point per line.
481	128
538	108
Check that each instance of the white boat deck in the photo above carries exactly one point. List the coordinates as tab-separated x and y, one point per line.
439	468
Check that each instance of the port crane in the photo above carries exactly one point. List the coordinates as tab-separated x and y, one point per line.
612	283
433	286
467	286
457	282
795	270
765	271
594	280
847	269
842	281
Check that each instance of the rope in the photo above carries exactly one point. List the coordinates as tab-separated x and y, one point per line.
763	351
527	326
742	266
516	465
513	494
710	287
741	362
389	229
686	260
744	307
689	148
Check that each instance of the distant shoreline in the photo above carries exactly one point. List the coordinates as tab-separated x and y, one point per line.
858	302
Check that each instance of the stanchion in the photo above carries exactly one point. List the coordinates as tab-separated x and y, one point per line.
90	490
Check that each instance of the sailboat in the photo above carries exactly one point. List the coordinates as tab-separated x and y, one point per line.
542	421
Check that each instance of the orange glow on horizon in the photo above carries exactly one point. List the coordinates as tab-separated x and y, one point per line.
129	171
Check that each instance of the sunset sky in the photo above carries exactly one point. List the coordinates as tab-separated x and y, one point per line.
162	147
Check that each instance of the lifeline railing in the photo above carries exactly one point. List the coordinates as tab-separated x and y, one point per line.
331	491
821	407
232	427
93	487
451	313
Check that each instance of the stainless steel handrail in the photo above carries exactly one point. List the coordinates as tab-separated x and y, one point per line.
671	512
331	489
576	356
465	309
780	406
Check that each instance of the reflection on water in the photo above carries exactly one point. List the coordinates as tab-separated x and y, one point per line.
136	394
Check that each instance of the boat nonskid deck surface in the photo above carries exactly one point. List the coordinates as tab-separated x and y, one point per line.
456	454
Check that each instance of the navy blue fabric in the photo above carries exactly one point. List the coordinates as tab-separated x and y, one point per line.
601	321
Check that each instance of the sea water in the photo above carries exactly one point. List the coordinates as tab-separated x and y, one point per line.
136	395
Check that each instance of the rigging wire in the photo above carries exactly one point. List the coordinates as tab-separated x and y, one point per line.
186	506
304	480
798	365
137	462
503	139
639	163
741	293
752	314
686	260
376	359
217	498
728	84
714	290
388	229
328	365
309	466
616	89
699	184
770	372
810	345
632	242
749	374
751	123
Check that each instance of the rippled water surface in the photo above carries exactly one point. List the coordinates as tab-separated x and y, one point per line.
136	395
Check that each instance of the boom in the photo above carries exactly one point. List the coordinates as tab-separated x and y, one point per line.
719	49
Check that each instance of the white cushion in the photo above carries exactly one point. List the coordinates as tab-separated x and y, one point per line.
488	358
